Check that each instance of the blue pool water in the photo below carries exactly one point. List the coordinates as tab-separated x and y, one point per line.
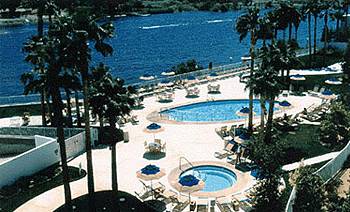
150	45
214	111
216	178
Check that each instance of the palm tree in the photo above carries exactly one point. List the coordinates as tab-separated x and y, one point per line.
35	81
111	100
316	8
267	83
83	28
306	10
337	15
248	23
70	82
49	49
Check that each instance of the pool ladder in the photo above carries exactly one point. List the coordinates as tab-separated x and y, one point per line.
204	178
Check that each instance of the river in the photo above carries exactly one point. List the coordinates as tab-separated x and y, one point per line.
151	44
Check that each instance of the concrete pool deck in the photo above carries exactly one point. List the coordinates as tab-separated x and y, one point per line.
195	142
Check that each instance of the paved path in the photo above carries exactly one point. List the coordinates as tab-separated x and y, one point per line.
310	161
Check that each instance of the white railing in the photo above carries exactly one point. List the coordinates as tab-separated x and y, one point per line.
326	172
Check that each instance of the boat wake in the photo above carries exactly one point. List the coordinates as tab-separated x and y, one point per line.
162	26
219	21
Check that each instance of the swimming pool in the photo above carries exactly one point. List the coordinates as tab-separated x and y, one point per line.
216	178
213	111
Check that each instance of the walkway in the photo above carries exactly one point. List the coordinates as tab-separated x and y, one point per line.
310	161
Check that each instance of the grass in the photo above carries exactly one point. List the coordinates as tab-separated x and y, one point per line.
319	60
108	201
304	143
19	110
32	186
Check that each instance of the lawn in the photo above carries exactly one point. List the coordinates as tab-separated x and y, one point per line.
304	143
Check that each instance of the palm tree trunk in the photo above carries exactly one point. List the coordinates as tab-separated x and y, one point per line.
58	106
42	108
309	35
326	30
77	108
114	161
90	175
268	133
49	108
100	137
337	28
251	92
69	108
290	32
40	20
262	113
315	33
296	33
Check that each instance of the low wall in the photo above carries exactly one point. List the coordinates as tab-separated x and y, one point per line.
10	145
31	161
326	172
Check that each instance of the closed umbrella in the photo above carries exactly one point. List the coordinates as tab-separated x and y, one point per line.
147	77
188	184
150	173
333	81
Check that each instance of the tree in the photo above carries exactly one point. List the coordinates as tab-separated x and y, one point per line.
82	27
266	196
335	127
248	23
35	81
51	54
316	8
346	203
310	192
111	100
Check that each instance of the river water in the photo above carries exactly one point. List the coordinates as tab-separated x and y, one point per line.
149	44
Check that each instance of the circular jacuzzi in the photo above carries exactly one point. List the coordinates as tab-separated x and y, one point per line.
216	178
220	178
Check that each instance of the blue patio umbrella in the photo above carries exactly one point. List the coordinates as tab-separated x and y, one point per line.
327	94
284	103
153	128
213	74
242	138
189	183
150	173
243	112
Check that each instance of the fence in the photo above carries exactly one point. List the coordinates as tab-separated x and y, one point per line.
220	70
326	172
